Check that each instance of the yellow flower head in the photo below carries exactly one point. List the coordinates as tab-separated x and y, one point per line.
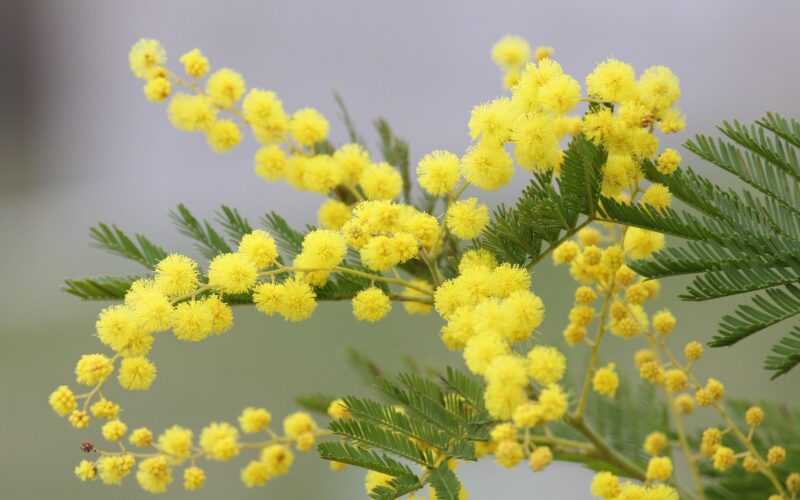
86	471
466	219
437	172
511	52
176	275
154	474
254	419
492	122
191	113
62	400
668	161
223	135
657	196
105	409
333	214
176	443
487	165
263	110
546	365
136	374
508	453
613	81
193	478
655	442
298	300
232	273
112	469
308	127
606	381
278	459
225	87
659	469
298	423
220	441
641	243
351	160
145	55
93	368
605	485
195	64
754	416
541	457
381	182
157	89
371	304
141	437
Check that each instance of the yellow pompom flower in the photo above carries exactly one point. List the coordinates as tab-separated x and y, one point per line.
541	457
560	95
675	380
338	409
254	419
437	172
657	196
659	469
136	374
270	163
466	219
263	110
508	453
259	246
793	482
193	478
659	88
477	258
320	174
546	365
277	458
511	52
605	485
371	304
86	471
176	275
655	442
145	55
191	113
492	122
176	443
220	441
671	121
112	469
663	322
565	252
684	403
223	135
754	416
93	368
324	248
668	161
298	423
154	474
114	430
297	301
268	297
192	321
105	409
79	419
152	308
724	458
554	403
482	349
487	165
225	87
232	273
381	182
693	350
195	64
308	127
606	381
776	455
62	400
574	334
333	214
141	437
350	161
612	80
255	473
641	243
157	89
116	326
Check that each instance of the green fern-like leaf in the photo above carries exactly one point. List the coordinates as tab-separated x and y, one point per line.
99	288
207	240
786	354
445	483
360	457
138	248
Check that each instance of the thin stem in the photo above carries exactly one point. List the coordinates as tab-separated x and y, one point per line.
354	272
558	242
601	328
604	450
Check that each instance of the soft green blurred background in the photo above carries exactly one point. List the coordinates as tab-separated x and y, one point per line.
80	144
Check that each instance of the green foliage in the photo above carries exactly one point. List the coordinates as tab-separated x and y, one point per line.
99	288
207	240
444	416
550	210
782	426
624	422
114	240
741	241
395	152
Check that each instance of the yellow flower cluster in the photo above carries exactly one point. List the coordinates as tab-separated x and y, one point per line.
365	234
177	446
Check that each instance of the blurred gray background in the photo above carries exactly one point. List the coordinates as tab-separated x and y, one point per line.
78	144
